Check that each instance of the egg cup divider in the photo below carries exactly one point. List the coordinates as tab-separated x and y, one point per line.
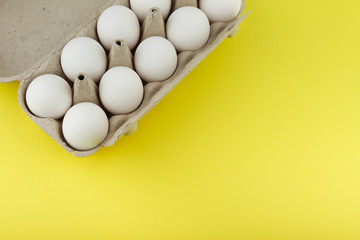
183	3
85	90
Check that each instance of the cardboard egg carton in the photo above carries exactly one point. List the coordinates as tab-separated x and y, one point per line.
85	90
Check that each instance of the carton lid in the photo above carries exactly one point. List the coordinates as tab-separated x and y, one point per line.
31	29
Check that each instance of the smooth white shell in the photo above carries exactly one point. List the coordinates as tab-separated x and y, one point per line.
141	7
155	59
188	29
49	96
121	90
85	126
83	55
118	23
220	11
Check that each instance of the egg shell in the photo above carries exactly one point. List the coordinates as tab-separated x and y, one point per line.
220	11
49	96
118	23
85	126
188	29
141	7
83	55
155	59
121	90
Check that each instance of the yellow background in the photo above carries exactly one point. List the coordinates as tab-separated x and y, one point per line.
260	141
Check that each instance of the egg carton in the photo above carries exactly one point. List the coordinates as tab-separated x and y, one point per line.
85	90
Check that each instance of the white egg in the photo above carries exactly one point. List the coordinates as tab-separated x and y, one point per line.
220	11
83	55
188	29
141	7
118	23
49	96
85	126
121	90
155	59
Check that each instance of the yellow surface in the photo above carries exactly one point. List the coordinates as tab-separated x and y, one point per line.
261	141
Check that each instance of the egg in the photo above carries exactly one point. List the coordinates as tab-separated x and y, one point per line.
83	55
141	7
155	59
220	11
85	126
118	23
121	90
188	29
49	96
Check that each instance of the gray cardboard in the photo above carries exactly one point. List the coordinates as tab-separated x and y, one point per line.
32	28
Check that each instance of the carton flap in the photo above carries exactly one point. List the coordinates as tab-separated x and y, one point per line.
31	29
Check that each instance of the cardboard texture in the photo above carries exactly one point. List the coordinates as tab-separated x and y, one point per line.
77	21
